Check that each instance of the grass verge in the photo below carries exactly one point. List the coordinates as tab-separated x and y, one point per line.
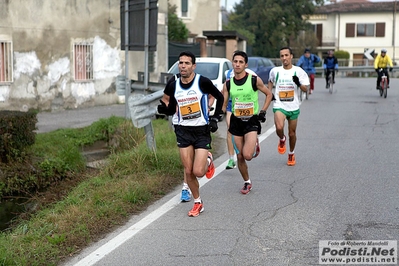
133	177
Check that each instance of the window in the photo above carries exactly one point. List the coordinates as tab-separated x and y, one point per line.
6	62
83	61
365	30
184	8
151	61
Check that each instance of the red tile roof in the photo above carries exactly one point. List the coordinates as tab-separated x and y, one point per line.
357	6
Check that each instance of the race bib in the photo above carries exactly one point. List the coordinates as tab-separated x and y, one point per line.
190	111
243	110
286	96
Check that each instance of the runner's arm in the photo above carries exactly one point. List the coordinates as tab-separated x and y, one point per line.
260	86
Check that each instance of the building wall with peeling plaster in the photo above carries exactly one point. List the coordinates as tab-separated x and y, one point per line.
43	32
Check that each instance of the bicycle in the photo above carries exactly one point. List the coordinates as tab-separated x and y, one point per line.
303	94
330	81
383	84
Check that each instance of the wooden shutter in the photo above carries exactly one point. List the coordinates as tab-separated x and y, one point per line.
380	29
319	33
350	30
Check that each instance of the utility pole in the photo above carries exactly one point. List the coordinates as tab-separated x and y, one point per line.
393	32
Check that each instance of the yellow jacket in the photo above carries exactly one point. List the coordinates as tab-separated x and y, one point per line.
382	62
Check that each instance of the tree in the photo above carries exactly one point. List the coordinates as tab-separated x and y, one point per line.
177	30
305	39
273	23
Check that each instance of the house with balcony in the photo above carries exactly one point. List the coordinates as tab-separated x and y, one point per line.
360	27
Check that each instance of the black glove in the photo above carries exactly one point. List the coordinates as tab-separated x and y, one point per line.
262	116
390	69
376	70
295	79
163	109
218	117
213	124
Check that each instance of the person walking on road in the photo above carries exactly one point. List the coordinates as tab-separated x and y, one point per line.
330	65
307	62
229	139
188	96
246	114
286	79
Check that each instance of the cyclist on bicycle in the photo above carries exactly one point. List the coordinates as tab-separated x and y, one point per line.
330	65
306	62
382	61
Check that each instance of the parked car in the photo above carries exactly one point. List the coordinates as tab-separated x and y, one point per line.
261	66
213	68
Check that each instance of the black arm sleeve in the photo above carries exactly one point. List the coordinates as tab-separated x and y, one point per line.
207	86
170	91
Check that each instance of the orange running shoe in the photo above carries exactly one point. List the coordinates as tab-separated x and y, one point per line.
291	159
281	146
246	188
197	209
211	167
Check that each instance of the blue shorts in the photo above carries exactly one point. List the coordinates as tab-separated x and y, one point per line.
228	108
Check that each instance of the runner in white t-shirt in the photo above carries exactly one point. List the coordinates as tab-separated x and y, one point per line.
286	79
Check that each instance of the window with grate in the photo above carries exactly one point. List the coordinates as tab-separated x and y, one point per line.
83	61
6	60
184	8
151	61
366	30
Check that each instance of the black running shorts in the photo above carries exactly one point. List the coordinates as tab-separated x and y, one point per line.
199	137
239	127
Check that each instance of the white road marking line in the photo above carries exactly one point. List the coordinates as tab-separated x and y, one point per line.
124	236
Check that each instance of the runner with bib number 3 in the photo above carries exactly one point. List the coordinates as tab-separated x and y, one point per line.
286	79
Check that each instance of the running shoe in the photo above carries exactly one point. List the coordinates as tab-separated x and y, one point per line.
211	167
281	146
231	164
185	195
246	188
257	149
197	209
291	159
327	86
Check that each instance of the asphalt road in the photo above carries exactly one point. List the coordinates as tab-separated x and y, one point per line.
76	118
343	187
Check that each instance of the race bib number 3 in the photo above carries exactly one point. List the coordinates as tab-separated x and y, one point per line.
286	96
190	111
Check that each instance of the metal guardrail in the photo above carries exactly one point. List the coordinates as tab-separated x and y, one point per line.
141	104
361	70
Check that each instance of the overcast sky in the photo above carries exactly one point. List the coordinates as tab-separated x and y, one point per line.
230	3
